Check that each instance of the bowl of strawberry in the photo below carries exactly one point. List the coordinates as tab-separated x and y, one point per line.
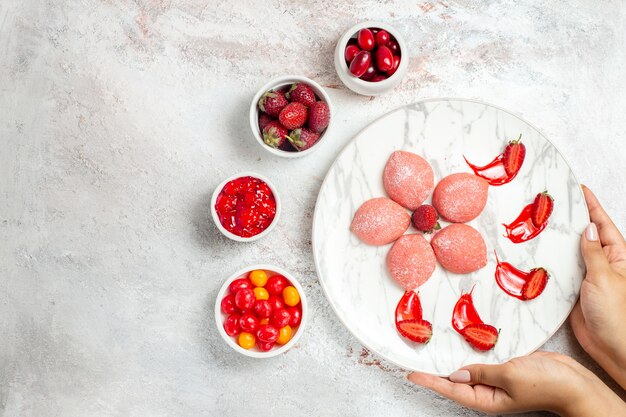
371	58
245	207
290	116
260	311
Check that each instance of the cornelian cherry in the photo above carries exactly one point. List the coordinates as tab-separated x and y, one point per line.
360	63
265	346
365	38
350	52
238	284
384	58
295	314
263	309
228	304
245	299
280	318
369	74
394	47
267	333
231	325
394	67
276	284
248	322
382	37
276	302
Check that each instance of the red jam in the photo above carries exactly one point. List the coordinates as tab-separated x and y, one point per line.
246	206
523	229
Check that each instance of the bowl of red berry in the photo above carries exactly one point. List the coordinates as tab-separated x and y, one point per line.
261	311
245	207
371	58
290	116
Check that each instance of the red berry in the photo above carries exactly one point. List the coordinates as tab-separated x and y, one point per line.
267	333
394	47
384	59
275	284
228	304
369	74
419	331
319	117
272	103
425	218
264	119
394	67
248	322
303	139
265	346
245	299
542	208
350	53
513	157
276	302
536	283
274	134
280	318
360	63
231	325
301	93
296	316
382	37
293	116
365	39
238	284
263	309
481	336
379	77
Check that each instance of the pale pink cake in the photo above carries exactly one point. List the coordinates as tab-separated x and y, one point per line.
380	221
408	179
460	197
460	248
411	261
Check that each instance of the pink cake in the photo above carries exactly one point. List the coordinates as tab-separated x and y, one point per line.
460	248
380	221
411	261
408	179
460	197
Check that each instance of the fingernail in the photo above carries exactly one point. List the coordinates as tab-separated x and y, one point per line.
460	376
591	233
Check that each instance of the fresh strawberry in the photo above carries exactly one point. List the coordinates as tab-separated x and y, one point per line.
274	134
419	331
481	336
319	117
536	283
425	219
287	146
272	102
302	139
293	115
301	93
514	155
264	119
542	209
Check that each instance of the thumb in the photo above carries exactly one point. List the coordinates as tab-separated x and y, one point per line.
493	375
593	254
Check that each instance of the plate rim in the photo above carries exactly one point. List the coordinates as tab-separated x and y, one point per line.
345	148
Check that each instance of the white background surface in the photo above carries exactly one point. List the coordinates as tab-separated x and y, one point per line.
117	119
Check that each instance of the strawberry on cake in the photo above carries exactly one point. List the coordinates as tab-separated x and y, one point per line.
408	179
380	221
460	248
460	197
411	261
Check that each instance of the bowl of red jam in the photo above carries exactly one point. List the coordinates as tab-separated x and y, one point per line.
245	207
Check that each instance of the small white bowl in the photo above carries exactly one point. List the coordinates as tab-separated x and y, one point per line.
276	84
216	218
358	85
255	352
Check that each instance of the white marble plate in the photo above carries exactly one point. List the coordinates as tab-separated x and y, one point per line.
354	276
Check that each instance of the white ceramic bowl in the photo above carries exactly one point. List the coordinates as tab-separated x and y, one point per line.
255	352
216	219
358	85
282	82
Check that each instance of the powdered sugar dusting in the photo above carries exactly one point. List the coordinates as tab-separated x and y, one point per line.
460	248
460	197
411	261
380	221
408	179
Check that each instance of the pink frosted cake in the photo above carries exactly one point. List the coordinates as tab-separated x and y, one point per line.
380	221
460	197
408	179
411	261
460	248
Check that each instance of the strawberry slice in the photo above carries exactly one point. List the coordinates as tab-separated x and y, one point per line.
481	336
514	155
419	331
542	209
537	281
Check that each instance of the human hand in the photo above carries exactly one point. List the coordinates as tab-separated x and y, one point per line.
541	381
598	317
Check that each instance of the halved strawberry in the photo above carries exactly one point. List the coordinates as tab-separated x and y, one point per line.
419	331
514	155
481	336
542	208
536	283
